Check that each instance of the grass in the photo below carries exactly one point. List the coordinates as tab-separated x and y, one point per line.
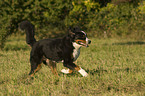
115	67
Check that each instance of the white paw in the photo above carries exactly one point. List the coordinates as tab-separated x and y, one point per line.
85	75
83	72
66	71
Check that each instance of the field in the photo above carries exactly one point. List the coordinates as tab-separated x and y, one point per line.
115	68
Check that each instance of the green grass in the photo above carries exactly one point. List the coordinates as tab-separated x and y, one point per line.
115	67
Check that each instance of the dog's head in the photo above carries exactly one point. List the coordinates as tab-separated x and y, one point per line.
79	37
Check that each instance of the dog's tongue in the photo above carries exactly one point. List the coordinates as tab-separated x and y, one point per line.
83	44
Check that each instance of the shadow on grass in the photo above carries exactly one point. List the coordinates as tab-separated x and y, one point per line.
4	81
130	43
129	70
94	71
102	71
1	54
25	79
15	48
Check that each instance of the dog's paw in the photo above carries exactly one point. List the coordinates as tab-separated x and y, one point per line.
83	72
66	71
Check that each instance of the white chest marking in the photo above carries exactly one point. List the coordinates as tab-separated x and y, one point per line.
76	51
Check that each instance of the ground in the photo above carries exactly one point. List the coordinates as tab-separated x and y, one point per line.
115	68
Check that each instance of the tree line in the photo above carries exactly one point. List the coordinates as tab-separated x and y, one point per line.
100	18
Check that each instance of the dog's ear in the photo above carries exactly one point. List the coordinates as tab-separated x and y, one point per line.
76	29
71	31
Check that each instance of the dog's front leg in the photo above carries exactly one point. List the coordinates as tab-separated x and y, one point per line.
66	71
72	67
82	72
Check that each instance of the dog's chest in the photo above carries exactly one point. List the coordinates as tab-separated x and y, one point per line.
76	51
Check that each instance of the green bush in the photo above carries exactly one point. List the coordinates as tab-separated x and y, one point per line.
116	21
40	13
52	17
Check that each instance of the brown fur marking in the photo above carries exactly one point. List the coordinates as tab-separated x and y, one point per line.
52	66
37	69
84	41
77	68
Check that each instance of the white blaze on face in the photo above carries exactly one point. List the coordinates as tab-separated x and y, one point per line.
83	32
87	40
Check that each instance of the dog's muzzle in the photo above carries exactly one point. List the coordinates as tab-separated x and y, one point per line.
88	41
84	43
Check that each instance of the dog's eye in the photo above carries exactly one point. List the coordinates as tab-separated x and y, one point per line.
83	36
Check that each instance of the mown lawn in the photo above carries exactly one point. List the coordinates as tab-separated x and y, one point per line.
115	67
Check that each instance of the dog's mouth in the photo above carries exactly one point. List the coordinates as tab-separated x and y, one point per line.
83	44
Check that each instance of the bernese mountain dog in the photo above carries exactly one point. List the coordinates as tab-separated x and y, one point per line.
51	51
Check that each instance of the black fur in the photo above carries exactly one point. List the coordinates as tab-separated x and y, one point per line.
30	32
56	50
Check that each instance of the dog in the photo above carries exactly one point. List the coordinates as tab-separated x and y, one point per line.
51	51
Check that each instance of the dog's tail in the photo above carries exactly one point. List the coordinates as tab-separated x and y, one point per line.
30	32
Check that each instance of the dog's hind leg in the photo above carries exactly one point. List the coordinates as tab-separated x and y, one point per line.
35	66
32	72
52	65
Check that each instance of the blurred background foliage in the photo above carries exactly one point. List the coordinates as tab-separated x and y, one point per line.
99	18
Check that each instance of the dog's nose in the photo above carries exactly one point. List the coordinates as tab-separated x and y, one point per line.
89	41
